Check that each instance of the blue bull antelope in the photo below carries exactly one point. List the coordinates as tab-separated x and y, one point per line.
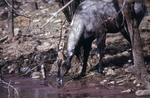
93	19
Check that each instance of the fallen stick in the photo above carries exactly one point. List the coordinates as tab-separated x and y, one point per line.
56	14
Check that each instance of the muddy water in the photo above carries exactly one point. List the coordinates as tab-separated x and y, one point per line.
88	87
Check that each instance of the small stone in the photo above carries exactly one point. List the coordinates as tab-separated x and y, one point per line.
134	82
110	72
125	53
105	70
112	82
138	85
16	31
127	91
24	69
103	82
36	75
142	92
129	69
43	47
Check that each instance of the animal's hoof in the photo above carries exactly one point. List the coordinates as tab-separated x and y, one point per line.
59	81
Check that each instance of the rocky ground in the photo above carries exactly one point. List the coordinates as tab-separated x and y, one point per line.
34	47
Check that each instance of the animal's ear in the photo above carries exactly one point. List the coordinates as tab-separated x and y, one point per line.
62	55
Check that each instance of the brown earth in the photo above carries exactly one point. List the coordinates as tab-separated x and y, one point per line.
33	47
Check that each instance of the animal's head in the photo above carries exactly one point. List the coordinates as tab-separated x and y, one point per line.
63	62
63	68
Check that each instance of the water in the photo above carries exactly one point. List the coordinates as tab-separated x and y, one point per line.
83	88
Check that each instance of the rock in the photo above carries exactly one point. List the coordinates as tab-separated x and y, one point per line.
142	92
110	72
45	46
112	82
105	70
135	81
127	91
138	85
16	31
103	82
36	75
12	68
125	53
129	69
94	46
24	69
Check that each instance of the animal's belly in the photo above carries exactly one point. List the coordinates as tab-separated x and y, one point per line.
114	25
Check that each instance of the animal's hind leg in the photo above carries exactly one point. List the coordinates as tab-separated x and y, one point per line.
100	48
87	48
127	37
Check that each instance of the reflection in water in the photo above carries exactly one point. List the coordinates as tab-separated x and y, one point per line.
83	88
67	93
77	93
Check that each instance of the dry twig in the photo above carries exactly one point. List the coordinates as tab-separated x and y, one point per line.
55	14
29	71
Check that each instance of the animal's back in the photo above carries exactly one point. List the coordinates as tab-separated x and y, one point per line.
95	13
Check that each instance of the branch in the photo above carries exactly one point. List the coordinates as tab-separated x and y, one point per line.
56	13
60	38
29	70
10	6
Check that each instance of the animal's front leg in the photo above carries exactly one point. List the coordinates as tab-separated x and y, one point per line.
100	48
87	48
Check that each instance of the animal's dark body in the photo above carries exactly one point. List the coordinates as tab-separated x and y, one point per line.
93	19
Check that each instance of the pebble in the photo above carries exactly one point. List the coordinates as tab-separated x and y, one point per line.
142	92
138	85
112	82
36	75
103	82
134	82
127	91
110	72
